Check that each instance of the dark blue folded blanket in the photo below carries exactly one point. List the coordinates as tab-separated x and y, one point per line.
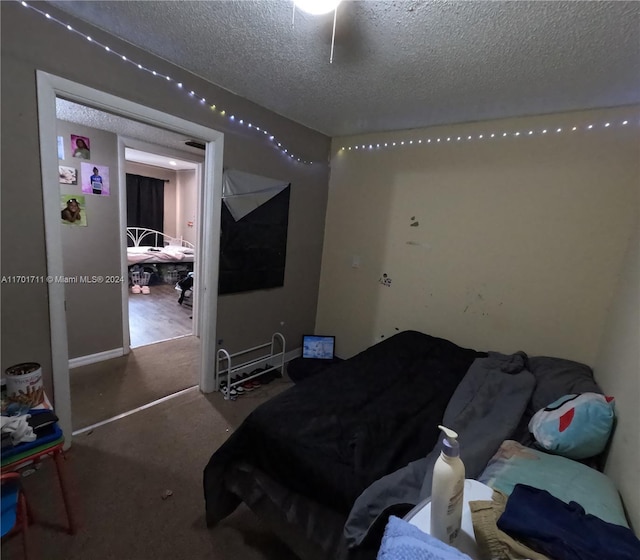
564	531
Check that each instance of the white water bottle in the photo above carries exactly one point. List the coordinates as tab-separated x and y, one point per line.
447	490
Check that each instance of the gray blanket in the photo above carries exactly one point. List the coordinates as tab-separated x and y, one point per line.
485	409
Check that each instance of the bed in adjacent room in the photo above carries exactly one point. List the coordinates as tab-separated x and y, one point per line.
148	246
326	462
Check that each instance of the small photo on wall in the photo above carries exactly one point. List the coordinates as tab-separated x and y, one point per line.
80	146
95	179
60	147
72	210
68	175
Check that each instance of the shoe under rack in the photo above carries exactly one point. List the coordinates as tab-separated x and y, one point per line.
249	381
234	379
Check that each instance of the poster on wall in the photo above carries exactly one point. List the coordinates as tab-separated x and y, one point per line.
60	147
253	232
68	175
80	146
72	210
95	179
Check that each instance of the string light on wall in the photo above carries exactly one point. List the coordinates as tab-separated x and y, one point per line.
487	137
179	85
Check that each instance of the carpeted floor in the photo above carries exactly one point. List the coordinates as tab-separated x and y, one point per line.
103	390
119	473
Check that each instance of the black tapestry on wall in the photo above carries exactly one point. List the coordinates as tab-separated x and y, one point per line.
145	204
253	249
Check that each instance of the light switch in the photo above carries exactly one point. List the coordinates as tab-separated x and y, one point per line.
355	261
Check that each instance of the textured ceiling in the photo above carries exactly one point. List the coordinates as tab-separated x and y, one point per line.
397	65
128	128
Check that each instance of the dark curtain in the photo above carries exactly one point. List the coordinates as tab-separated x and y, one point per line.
145	203
253	250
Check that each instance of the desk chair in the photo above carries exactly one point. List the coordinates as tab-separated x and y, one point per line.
15	514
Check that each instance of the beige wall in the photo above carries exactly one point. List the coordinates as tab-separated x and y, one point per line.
617	370
187	207
94	311
242	321
517	245
170	187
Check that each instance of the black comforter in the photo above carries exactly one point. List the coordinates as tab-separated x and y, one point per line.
331	436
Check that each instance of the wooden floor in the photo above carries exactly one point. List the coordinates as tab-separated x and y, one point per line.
158	316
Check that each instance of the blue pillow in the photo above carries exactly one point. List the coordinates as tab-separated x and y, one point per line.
563	478
575	426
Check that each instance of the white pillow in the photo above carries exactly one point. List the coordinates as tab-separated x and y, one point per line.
138	250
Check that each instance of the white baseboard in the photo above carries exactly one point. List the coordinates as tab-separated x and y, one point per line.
95	358
293	354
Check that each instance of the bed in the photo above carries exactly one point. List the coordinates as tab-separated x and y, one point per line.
327	461
148	246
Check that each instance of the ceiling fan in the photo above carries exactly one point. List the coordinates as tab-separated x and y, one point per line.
317	8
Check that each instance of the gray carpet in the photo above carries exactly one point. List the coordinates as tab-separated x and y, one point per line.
106	389
119	473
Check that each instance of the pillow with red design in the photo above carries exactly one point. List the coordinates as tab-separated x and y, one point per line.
575	426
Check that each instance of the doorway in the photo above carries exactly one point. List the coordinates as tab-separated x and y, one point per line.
161	189
206	267
112	372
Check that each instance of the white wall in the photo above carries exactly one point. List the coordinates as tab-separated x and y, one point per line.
618	372
517	242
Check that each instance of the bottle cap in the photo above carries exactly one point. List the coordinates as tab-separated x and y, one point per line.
450	445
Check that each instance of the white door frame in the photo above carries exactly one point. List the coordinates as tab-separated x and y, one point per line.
124	142
49	87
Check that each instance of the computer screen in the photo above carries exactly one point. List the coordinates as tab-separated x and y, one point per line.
318	347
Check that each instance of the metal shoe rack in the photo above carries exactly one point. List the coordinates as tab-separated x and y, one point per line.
226	363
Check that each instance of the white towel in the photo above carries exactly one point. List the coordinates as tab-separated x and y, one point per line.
18	427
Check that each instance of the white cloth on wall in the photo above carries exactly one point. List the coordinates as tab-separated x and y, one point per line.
243	192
